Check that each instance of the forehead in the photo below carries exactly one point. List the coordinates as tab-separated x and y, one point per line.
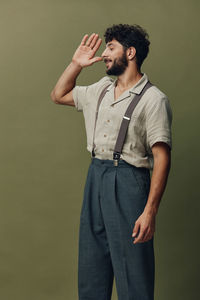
113	43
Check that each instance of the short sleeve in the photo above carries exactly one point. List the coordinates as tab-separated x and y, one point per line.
158	122
85	94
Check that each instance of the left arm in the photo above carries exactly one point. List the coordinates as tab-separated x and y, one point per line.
146	221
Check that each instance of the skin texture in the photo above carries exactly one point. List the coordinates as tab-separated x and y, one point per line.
122	64
145	225
84	55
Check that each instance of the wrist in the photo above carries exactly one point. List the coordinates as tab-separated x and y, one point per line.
75	64
151	210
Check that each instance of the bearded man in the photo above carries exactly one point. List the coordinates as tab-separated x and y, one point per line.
121	197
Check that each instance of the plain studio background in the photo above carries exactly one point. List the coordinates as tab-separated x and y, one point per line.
44	159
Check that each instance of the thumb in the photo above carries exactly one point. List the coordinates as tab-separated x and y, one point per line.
96	59
135	229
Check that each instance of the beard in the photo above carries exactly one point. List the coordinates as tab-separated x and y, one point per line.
119	65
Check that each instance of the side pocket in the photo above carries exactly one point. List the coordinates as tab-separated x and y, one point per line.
143	180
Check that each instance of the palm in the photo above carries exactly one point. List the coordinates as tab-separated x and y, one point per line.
84	54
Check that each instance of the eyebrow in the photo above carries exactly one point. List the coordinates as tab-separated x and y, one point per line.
110	44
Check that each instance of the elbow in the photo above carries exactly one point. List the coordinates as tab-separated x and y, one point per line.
53	97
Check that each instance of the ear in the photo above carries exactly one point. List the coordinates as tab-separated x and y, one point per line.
131	52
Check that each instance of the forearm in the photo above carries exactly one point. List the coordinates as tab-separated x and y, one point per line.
83	57
162	164
67	80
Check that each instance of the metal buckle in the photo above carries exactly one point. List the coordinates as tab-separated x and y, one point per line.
116	157
127	118
115	162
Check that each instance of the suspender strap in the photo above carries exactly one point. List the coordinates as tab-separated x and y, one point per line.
103	92
125	122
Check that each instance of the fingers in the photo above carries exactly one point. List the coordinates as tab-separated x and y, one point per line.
142	233
93	42
147	236
84	43
140	237
96	47
84	39
89	41
146	227
136	229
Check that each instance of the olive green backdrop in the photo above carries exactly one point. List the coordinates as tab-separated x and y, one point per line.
44	159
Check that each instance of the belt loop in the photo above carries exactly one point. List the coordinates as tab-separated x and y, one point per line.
93	154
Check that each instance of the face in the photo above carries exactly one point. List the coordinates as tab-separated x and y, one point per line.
115	58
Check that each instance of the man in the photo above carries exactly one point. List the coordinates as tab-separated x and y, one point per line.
121	201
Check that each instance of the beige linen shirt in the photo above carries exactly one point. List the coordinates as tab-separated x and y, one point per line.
150	122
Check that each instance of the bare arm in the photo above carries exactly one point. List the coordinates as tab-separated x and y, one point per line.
146	221
83	57
62	92
162	164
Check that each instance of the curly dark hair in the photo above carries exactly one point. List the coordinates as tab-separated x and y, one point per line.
130	35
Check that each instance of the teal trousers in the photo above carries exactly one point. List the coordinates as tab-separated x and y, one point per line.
114	197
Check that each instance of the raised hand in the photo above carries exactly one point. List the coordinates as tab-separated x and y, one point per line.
84	54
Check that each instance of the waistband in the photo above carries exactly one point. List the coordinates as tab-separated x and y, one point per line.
121	163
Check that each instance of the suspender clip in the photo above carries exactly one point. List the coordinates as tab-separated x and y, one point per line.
116	157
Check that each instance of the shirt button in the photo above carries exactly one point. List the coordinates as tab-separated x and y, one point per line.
105	135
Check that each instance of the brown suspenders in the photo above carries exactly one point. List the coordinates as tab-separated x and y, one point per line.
124	124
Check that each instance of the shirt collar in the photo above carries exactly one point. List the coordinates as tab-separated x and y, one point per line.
137	88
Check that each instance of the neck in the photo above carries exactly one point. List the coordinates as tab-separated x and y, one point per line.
128	79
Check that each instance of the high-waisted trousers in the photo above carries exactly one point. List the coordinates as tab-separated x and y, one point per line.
114	197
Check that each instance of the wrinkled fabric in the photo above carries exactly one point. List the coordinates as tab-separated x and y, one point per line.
114	197
150	122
